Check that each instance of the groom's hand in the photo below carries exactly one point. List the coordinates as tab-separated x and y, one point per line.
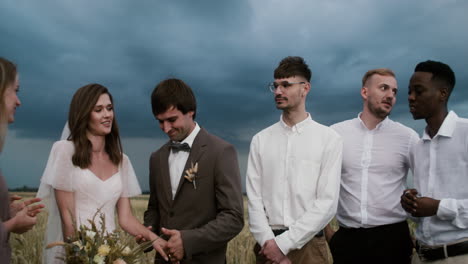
175	245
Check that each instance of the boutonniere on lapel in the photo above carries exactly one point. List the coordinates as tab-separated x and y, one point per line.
191	174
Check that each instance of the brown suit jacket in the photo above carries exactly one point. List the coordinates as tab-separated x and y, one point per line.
208	216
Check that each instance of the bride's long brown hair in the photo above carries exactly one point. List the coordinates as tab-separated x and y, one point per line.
82	104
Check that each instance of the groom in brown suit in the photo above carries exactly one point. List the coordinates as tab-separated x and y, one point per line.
195	189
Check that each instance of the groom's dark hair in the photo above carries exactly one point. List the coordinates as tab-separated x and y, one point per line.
173	93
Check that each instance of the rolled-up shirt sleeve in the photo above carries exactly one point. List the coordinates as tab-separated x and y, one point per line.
455	211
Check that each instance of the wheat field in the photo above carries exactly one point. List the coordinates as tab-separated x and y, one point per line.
27	248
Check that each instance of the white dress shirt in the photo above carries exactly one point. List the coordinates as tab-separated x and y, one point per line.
293	177
373	173
178	159
441	172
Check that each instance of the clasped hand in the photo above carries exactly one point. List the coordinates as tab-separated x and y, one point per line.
418	206
273	253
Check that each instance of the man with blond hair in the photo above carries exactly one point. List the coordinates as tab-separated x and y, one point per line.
373	227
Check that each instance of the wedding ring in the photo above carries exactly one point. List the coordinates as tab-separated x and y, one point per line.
406	192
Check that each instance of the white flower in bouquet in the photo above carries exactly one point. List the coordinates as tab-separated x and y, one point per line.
103	250
99	259
88	247
90	234
126	251
78	244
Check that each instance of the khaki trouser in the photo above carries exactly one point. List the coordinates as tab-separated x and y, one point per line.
316	251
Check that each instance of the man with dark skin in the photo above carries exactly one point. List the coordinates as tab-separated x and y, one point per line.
439	201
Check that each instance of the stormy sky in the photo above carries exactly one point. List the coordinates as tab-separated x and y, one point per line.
225	50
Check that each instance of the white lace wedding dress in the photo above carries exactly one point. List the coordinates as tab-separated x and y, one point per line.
90	193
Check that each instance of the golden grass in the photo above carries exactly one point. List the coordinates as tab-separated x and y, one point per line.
28	247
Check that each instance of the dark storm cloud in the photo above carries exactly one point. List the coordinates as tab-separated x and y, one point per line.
127	47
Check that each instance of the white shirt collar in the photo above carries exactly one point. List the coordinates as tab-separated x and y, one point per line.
190	138
297	127
446	129
380	125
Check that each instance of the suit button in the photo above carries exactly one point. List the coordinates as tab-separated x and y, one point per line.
171	213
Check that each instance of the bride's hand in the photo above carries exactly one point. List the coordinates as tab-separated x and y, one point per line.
159	245
140	238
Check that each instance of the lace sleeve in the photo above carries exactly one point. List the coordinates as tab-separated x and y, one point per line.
131	187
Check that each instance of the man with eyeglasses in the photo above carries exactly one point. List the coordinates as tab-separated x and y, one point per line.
293	175
376	159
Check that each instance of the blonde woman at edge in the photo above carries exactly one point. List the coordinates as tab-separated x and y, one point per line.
16	217
88	171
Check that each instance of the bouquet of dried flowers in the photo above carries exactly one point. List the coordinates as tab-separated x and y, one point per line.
90	244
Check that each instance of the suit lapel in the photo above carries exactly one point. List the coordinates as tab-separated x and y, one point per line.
196	152
165	175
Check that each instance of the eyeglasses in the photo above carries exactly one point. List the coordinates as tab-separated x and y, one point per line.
285	84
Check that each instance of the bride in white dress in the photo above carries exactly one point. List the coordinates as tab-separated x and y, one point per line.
88	171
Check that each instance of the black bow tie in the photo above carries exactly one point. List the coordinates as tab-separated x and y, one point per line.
177	146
